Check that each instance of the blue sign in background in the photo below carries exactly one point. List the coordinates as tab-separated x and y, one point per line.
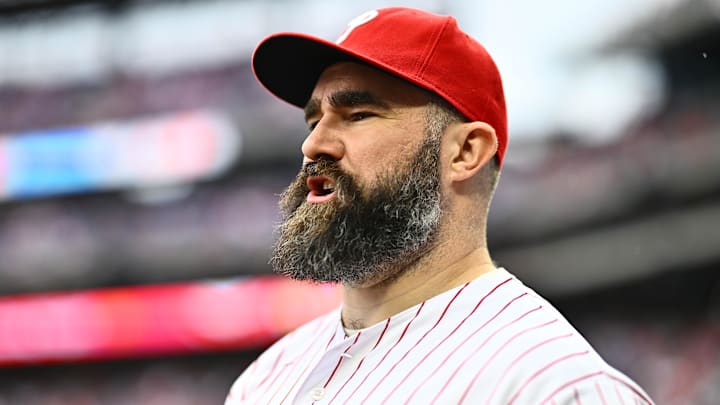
49	162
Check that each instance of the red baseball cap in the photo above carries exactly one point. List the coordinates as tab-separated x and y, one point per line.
426	49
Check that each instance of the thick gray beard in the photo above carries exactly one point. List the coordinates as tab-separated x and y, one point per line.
355	239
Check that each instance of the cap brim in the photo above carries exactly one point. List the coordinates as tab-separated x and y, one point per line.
289	64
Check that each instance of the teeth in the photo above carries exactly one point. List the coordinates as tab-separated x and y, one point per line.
327	185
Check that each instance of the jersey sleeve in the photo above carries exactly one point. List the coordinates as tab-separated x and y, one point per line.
602	389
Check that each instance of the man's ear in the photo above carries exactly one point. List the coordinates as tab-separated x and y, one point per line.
472	145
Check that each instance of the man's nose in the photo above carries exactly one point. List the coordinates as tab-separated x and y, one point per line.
323	141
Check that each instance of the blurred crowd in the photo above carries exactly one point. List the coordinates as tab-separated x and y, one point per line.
183	381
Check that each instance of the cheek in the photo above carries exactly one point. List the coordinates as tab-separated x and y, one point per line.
389	147
381	151
381	160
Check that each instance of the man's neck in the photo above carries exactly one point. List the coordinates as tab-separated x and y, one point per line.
367	305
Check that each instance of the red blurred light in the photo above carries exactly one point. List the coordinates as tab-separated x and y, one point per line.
154	320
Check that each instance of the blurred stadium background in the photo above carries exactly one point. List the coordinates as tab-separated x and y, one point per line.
140	165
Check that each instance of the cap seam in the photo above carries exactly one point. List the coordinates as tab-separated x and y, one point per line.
420	75
433	48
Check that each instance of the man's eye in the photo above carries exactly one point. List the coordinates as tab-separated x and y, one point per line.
359	116
312	125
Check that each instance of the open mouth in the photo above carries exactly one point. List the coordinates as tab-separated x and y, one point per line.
322	189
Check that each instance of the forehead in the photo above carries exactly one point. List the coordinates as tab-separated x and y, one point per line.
344	76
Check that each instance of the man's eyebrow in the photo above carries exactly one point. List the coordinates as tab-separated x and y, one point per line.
354	98
347	98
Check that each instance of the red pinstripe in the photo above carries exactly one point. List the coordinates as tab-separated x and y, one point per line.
461	344
382	334
357	336
631	388
444	340
272	371
518	358
600	393
577	396
441	342
301	353
569	383
340	360
387	323
462	364
284	368
500	349
545	368
407	327
622	401
442	315
318	331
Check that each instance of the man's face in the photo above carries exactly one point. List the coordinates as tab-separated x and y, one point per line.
367	202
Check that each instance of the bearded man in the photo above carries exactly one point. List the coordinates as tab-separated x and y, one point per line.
407	135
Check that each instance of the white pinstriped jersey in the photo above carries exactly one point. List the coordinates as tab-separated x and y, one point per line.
490	341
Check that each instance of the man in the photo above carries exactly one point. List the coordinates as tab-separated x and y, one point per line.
407	135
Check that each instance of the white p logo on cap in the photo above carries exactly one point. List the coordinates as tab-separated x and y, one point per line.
356	22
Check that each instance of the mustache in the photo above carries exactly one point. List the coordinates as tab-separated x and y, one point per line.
296	193
322	166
